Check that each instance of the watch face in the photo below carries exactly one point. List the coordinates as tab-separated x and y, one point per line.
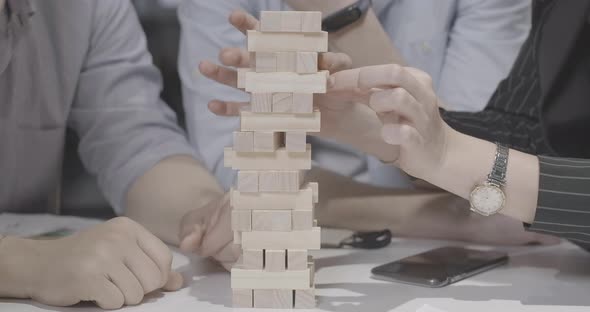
487	199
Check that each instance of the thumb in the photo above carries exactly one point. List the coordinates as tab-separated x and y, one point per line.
175	281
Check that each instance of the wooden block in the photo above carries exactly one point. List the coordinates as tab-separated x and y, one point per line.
243	298
315	187
286	82
267	141
237	237
305	298
297	259
302	103
287	42
253	259
280	181
282	102
243	141
275	260
241	220
279	160
270	21
248	181
280	122
255	279
261	102
296	141
282	240
273	299
302	220
271	220
301	200
311	21
291	21
307	62
242	77
287	61
265	62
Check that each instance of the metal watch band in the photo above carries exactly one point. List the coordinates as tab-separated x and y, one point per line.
498	174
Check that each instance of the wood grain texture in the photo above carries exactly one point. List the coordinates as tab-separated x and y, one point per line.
248	181
311	21
286	82
296	141
282	240
279	160
307	62
243	298
255	279
243	141
300	200
237	237
261	102
265	62
241	220
275	260
253	259
302	103
288	181
271	220
280	122
273	299
302	220
290	21
282	102
297	259
267	141
286	61
305	298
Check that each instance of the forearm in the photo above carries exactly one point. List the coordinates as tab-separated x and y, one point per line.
16	256
347	204
469	160
163	195
354	39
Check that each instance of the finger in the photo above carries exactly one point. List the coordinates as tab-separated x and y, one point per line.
175	282
400	134
399	102
107	296
223	75
234	57
128	284
158	252
145	269
334	62
243	21
381	76
192	241
226	109
219	232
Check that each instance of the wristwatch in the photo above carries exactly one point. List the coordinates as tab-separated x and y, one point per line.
488	198
347	16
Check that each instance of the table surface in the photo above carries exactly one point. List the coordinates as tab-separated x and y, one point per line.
538	278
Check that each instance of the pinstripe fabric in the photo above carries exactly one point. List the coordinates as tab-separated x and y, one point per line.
513	116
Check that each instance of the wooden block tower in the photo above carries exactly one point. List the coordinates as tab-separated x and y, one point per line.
272	216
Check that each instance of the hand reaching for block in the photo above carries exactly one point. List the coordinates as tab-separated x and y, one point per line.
342	119
207	232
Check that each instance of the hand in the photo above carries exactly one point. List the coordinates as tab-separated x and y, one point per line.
405	101
207	231
113	264
343	120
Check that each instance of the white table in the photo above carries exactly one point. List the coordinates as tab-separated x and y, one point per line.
539	279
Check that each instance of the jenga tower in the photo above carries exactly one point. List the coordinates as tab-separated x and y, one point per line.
272	214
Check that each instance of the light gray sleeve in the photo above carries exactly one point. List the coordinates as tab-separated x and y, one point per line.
205	31
124	127
485	39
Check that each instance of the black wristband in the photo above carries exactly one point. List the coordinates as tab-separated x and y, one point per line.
347	16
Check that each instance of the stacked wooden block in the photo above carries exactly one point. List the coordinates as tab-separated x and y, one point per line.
272	214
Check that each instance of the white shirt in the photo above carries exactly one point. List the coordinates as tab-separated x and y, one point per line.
467	46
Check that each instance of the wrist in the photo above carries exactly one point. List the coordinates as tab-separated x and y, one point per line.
18	258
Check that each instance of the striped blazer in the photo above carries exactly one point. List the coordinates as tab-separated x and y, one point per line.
548	114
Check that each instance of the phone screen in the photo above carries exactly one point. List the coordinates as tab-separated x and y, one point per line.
440	267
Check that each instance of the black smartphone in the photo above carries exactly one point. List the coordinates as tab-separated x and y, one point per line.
439	267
